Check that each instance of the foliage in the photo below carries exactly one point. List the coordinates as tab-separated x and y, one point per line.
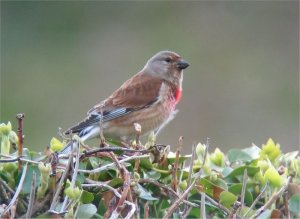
148	181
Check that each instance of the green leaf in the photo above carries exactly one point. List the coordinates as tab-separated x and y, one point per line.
227	199
172	156
294	204
94	162
213	188
144	194
28	179
152	174
86	211
116	182
146	163
240	171
252	151
266	214
235	155
237	190
86	197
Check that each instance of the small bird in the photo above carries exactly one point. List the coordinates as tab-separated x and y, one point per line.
148	98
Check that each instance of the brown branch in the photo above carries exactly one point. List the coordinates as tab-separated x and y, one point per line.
286	206
272	199
108	166
126	187
218	205
256	200
176	204
167	188
146	210
20	118
60	185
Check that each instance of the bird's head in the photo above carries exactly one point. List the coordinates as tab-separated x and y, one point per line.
166	65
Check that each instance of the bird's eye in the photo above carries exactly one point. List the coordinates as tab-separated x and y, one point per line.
168	60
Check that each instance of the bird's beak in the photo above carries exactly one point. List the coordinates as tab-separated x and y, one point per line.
182	64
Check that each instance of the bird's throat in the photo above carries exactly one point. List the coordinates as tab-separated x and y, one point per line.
178	95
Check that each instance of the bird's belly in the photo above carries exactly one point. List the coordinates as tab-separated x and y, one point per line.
150	119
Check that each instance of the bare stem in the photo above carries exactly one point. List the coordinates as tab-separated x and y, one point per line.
203	211
20	118
32	196
256	200
272	199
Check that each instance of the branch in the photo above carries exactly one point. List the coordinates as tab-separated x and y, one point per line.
32	196
256	200
20	118
111	165
60	185
166	187
273	198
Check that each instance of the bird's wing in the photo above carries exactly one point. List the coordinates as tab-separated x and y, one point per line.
138	92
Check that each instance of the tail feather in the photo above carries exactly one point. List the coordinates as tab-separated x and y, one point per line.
86	133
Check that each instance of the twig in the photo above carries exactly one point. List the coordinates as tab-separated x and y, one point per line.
20	118
13	200
167	188
286	206
14	159
175	205
115	149
189	180
7	186
74	176
39	206
3	194
117	194
60	184
256	200
126	187
202	210
245	177
111	165
32	196
218	205
146	210
174	182
272	199
233	214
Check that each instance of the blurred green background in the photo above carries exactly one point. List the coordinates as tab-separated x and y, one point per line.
60	58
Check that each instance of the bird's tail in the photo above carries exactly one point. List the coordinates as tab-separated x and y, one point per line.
86	133
68	148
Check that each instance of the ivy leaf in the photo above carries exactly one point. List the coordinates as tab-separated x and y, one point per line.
86	197
237	190
86	211
235	155
227	199
294	204
144	194
240	171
